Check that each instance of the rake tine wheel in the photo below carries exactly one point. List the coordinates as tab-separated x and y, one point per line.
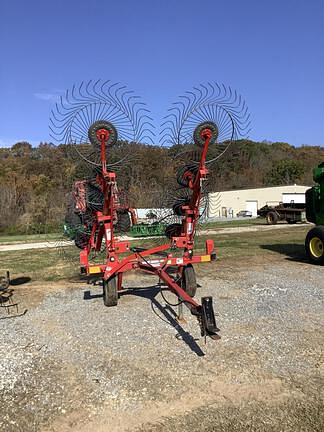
71	121
94	101
209	102
207	105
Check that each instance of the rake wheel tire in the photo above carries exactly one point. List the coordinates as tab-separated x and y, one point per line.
182	178
94	197
123	221
198	139
173	230
71	217
177	206
189	282
110	292
102	124
81	240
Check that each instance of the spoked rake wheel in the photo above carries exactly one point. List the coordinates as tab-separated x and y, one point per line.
100	105
211	108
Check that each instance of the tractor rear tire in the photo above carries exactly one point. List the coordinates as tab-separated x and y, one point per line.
110	292
272	218
189	283
314	245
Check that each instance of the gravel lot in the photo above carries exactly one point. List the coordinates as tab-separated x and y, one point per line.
70	364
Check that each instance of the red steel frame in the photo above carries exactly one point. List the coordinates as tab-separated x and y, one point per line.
103	228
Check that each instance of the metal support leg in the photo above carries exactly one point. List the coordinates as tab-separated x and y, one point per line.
180	317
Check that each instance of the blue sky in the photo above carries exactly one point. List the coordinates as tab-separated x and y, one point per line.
271	51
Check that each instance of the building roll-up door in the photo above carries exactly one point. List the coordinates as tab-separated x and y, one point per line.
252	206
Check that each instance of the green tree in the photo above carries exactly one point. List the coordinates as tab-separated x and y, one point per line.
22	148
285	172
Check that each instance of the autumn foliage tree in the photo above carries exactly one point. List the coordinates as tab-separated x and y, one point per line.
34	181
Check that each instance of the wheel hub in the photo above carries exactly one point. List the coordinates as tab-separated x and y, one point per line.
316	247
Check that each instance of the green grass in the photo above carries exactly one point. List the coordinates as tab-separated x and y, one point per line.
283	241
233	223
29	238
53	264
41	264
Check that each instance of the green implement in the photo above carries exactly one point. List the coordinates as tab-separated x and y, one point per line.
147	230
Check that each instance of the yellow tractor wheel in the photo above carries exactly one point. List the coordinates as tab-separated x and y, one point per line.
314	245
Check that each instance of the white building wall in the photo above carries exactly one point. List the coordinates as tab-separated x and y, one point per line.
159	212
228	203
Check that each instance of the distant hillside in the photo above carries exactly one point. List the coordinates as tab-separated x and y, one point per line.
34	181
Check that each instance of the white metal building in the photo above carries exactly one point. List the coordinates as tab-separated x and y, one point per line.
229	203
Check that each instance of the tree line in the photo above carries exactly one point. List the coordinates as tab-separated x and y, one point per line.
35	181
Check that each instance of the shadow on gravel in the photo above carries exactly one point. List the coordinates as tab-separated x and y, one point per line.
165	313
88	296
292	415
20	280
169	315
293	251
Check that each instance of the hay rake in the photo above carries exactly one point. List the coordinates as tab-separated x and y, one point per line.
93	120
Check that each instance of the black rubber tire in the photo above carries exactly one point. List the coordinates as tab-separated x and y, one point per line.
81	240
189	283
177	206
71	217
315	233
271	218
182	178
173	230
102	124
94	197
110	292
198	139
123	221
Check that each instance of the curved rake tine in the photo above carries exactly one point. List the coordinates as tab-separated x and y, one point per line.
99	100
206	102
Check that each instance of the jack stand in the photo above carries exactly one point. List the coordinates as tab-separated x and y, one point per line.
180	317
209	327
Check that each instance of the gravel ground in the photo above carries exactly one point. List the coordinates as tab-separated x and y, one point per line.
70	364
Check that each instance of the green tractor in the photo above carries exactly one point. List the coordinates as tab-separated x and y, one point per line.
314	242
